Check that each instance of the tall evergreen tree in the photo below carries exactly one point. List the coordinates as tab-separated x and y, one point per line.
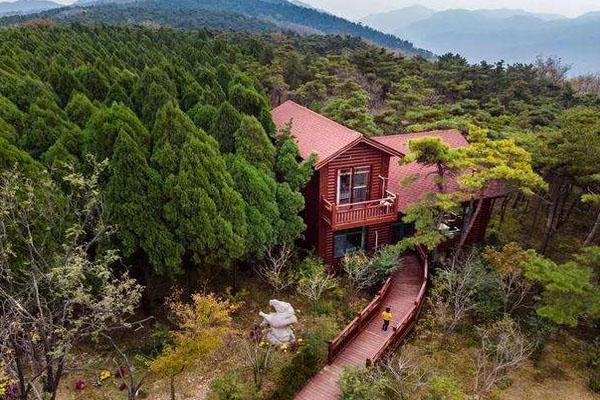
94	82
136	215
106	124
201	204
80	109
252	143
224	125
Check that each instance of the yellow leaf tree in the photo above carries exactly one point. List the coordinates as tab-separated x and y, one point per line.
202	326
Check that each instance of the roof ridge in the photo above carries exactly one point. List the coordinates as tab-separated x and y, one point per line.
435	131
320	116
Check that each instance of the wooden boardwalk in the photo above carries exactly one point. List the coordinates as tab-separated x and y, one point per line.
403	292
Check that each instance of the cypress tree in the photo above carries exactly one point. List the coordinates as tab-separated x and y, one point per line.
202	206
11	114
7	131
80	109
104	127
252	143
93	81
225	123
202	115
259	192
134	212
45	124
117	94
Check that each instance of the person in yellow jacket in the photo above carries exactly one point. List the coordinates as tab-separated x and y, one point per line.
387	317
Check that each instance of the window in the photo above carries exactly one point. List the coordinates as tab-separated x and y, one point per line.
348	242
360	185
353	185
343	187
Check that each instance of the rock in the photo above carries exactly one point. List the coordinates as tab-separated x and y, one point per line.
279	323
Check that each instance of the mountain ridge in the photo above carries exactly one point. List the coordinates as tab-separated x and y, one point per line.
285	14
19	7
510	35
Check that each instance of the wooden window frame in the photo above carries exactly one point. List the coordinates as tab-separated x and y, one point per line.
351	171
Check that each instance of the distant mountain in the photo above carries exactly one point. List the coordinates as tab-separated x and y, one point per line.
392	21
26	6
510	12
197	14
505	34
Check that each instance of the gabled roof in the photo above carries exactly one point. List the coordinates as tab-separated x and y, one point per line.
319	135
424	182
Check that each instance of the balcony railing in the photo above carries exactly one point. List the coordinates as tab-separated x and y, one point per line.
346	216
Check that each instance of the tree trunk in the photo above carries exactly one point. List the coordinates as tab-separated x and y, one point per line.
590	236
536	214
551	219
467	231
503	209
172	386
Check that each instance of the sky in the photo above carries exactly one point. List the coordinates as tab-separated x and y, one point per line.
356	9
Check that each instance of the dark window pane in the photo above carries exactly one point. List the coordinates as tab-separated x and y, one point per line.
344	185
339	244
347	242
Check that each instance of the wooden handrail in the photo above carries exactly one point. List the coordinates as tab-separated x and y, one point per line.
409	320
399	331
350	331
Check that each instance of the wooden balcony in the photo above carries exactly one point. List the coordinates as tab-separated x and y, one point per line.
347	216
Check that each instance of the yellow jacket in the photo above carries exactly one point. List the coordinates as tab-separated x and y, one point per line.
387	316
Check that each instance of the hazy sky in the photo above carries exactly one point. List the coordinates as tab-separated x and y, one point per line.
355	9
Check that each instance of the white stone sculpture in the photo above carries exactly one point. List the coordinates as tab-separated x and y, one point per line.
279	323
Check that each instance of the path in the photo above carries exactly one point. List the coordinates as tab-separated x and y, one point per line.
401	296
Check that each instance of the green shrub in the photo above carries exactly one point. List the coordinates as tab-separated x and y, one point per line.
307	362
594	380
445	388
324	307
360	384
230	386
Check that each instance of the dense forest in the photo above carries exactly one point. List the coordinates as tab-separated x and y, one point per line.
140	164
240	15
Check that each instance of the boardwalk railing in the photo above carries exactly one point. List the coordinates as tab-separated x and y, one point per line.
353	328
409	320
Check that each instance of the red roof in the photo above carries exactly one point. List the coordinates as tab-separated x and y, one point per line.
411	193
319	135
316	134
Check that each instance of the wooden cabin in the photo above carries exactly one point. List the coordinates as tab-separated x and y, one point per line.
355	198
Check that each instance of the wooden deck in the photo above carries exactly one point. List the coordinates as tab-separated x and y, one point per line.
401	296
